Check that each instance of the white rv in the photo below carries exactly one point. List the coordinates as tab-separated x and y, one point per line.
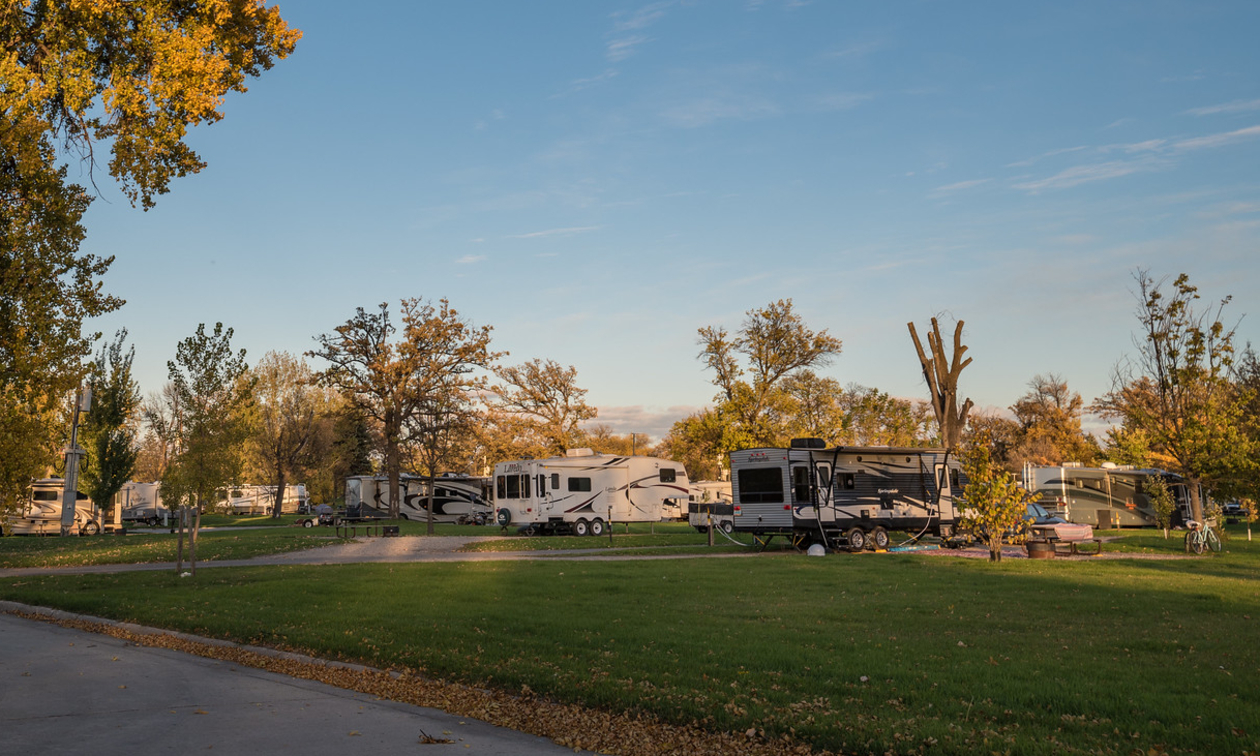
583	492
710	504
140	502
41	512
456	498
1110	496
845	495
260	500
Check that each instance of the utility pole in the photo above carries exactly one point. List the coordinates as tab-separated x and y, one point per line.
70	486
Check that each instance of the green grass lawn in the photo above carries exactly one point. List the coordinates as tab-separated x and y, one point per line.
134	548
865	653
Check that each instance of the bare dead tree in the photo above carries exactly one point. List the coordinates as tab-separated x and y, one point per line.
941	373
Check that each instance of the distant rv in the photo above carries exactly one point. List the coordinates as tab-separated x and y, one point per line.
140	502
41	512
583	492
1106	497
260	500
456	498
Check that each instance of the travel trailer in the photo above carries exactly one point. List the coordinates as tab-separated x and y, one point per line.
456	498
845	495
260	500
709	501
583	492
1110	496
140	502
41	512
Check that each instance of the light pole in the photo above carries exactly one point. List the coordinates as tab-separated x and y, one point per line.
70	487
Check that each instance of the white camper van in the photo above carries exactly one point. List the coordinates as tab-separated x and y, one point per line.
456	498
583	492
41	512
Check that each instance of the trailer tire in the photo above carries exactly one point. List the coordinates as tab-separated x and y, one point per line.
856	538
90	528
581	528
879	538
503	517
727	527
308	524
597	527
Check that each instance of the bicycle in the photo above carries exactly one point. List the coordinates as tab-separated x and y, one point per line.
1201	537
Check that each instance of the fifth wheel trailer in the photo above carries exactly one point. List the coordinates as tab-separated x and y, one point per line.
845	495
456	497
583	492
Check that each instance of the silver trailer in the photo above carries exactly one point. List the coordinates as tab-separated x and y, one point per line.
1105	497
845	495
583	492
456	498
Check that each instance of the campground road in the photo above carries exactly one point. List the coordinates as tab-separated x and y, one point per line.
66	691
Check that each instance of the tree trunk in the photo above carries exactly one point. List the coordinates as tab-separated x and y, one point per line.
392	464
277	506
941	374
1196	501
192	539
179	542
429	505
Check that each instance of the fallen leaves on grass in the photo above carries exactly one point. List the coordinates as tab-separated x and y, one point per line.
569	725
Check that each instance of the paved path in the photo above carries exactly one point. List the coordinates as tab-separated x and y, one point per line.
65	691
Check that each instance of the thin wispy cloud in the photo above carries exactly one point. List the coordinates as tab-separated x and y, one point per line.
1037	158
1237	106
743	107
1217	140
577	85
841	101
856	51
470	259
556	232
1155	154
1085	174
627	30
960	186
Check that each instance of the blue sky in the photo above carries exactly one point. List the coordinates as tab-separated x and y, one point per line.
598	180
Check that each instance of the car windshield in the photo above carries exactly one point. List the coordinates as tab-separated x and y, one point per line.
1036	510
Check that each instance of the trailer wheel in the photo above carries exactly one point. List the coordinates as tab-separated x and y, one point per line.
89	528
581	528
879	537
597	527
308	523
727	527
503	517
856	538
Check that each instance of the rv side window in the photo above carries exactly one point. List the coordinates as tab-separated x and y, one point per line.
542	485
45	495
79	496
513	486
954	483
761	485
942	480
524	486
845	481
667	475
555	481
579	484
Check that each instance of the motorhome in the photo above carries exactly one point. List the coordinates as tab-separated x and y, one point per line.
851	496
583	492
1110	496
41	512
456	498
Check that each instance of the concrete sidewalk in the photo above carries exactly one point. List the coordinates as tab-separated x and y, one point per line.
65	691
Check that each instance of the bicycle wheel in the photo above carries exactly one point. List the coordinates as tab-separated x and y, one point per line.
1196	541
1213	541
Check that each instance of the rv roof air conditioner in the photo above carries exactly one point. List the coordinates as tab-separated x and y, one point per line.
809	443
580	453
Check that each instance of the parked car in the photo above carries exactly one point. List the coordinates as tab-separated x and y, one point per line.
1044	526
